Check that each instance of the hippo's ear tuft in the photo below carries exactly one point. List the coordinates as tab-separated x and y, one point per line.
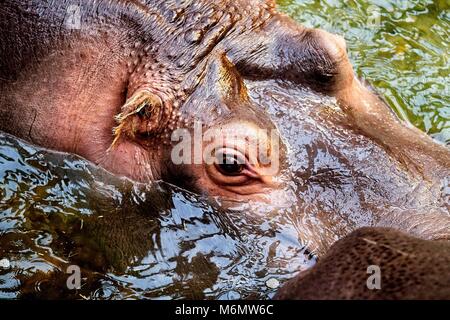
224	80
142	114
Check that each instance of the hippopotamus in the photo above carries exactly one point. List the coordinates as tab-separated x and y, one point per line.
409	268
122	83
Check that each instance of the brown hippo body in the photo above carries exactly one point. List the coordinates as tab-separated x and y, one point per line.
408	268
113	80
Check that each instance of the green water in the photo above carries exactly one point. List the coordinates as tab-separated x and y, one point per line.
400	47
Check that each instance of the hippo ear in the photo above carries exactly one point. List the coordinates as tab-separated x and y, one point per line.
224	80
143	113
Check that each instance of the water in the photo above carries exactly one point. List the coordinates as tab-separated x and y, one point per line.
130	240
157	241
401	47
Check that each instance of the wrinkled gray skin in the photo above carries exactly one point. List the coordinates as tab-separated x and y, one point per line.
347	161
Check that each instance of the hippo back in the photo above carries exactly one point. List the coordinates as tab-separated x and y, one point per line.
406	267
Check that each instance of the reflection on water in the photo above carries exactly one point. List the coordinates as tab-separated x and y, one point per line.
130	241
399	46
156	241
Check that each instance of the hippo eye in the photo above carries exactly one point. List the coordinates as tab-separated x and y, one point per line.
229	165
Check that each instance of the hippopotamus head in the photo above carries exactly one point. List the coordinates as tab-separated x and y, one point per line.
230	99
261	109
204	128
219	143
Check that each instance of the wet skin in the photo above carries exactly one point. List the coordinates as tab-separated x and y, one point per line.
115	90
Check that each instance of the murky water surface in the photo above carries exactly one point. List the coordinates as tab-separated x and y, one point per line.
130	240
156	241
401	47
